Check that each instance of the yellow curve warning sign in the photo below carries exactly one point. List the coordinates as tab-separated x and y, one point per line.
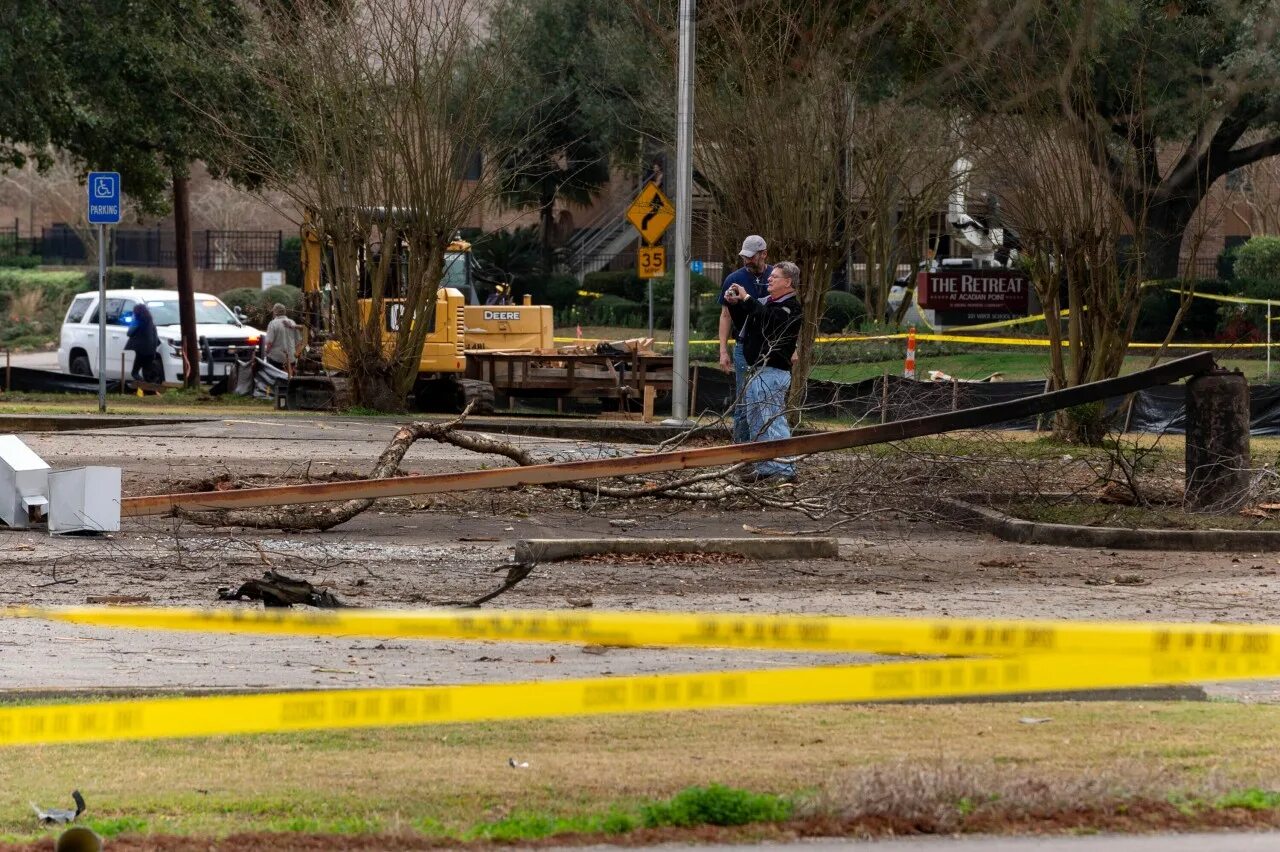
999	657
651	213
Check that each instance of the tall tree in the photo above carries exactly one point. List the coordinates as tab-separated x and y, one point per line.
1175	94
564	118
378	124
128	86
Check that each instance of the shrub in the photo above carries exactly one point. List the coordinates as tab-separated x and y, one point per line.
251	302
840	311
285	294
624	283
1226	263
557	291
125	279
21	261
1259	259
33	303
1160	305
715	805
614	310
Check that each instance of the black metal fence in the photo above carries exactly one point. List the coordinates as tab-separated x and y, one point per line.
210	249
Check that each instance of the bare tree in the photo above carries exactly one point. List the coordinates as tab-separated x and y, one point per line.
58	190
901	160
1256	189
380	106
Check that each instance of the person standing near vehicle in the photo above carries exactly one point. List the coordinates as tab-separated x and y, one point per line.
144	342
751	277
282	339
770	330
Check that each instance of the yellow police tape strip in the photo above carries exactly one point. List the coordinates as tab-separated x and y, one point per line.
299	711
707	630
1016	657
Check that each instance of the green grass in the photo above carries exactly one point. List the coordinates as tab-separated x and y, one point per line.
1014	365
1252	798
610	775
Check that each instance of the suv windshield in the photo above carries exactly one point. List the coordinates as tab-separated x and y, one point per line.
207	311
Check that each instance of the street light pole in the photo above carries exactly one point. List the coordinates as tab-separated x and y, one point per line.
684	217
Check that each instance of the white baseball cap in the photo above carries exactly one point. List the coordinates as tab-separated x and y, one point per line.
753	245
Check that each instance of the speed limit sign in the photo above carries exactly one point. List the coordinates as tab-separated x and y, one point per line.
651	262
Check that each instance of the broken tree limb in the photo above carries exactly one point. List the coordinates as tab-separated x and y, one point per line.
446	433
388	464
515	573
546	474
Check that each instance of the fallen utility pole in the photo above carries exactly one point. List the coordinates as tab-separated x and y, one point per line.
545	474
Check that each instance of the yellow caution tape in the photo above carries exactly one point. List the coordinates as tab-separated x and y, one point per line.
299	711
705	630
1015	656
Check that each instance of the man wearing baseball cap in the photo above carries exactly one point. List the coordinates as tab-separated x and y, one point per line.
751	277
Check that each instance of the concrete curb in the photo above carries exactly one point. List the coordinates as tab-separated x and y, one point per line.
552	549
1009	528
13	423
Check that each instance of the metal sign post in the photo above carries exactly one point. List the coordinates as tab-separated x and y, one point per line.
103	210
684	217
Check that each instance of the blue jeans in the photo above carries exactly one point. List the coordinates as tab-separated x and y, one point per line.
741	423
766	403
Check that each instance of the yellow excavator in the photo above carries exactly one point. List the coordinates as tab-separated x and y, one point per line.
456	328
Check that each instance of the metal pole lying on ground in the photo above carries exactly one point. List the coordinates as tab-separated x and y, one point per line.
684	217
548	474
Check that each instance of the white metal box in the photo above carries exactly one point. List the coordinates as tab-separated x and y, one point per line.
24	483
84	499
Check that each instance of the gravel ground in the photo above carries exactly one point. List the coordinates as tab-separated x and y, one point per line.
415	552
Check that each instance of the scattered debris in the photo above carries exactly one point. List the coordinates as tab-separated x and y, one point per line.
60	816
662	559
595	650
1035	720
70	581
277	590
118	599
766	530
579	603
514	764
1118	580
622	523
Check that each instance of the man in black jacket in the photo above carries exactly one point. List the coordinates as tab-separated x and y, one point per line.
771	328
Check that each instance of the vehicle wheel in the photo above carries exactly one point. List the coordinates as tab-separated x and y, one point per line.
80	366
474	391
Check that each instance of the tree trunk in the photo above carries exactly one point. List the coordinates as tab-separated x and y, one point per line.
186	285
1166	224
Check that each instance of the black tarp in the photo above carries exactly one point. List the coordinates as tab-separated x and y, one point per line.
48	381
1157	409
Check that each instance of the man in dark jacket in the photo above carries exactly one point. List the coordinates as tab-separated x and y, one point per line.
771	329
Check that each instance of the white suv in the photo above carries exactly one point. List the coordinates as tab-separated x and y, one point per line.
221	335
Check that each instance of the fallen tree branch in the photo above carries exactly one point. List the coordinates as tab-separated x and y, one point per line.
296	518
515	573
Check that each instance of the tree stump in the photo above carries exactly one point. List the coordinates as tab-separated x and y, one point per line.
1218	473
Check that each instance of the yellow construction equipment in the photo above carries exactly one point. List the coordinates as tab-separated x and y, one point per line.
441	382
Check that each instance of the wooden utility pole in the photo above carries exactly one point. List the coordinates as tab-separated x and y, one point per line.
186	284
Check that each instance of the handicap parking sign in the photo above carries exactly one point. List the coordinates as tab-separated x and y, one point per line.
104	198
